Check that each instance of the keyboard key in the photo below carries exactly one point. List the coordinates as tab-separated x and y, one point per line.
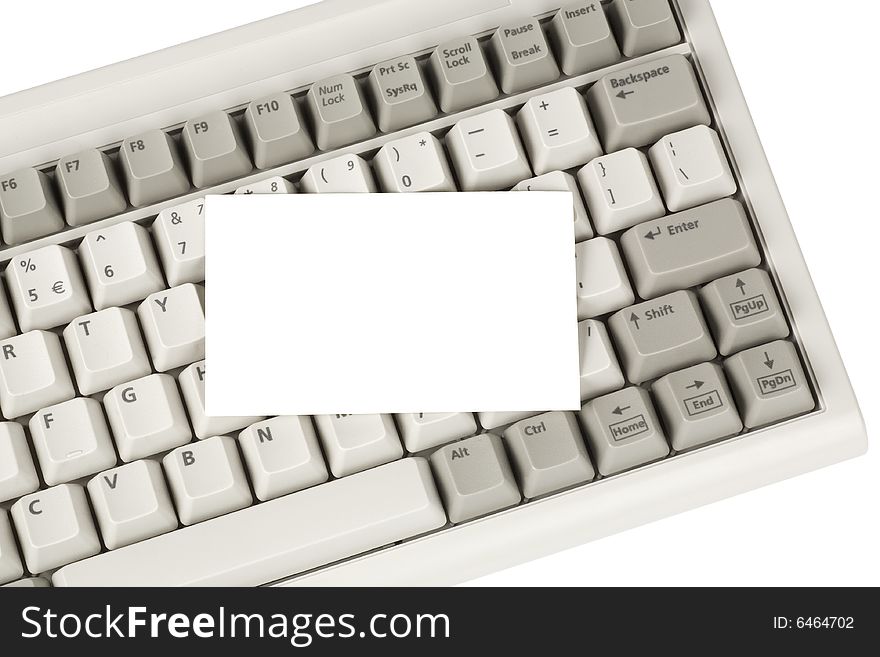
152	168
414	164
643	26
460	75
346	174
273	185
487	152
29	583
521	56
72	440
558	131
474	477
421	431
690	248
89	187
282	456
494	419
696	406
46	288
602	284
174	326
105	349
743	311
17	473
692	168
192	385
147	417
769	384
638	105
620	191
559	181
600	369
180	238
207	479
33	373
214	149
356	442
662	335
548	453
28	209
132	504
10	560
623	431
276	131
55	527
120	265
333	521
582	38
7	323
399	95
338	113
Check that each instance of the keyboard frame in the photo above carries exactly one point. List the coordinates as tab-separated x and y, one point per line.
95	108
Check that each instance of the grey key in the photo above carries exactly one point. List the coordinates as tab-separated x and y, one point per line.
696	406
522	57
690	248
399	94
460	75
215	149
29	583
89	187
548	453
339	116
638	105
582	38
152	168
623	431
276	131
643	26
660	336
743	311
769	384
474	477
28	209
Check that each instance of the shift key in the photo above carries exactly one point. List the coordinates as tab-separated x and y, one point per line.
636	106
690	248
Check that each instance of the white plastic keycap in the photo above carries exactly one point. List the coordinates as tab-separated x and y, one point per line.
600	369
414	164
72	440
55	527
10	561
180	239
487	152
46	288
120	265
273	185
421	431
17	473
558	131
357	442
106	348
192	385
174	326
560	181
342	175
33	373
147	417
207	479
282	456
132	503
602	283
620	191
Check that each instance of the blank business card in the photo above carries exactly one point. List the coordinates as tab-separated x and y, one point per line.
381	303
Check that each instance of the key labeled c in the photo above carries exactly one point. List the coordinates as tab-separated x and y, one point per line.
32	507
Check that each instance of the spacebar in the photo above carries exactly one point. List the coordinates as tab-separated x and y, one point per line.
279	538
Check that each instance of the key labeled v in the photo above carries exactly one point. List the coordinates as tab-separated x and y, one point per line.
111	482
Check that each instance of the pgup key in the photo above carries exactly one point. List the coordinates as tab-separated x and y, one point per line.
47	288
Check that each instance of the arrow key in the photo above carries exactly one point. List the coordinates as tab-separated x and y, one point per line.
769	384
623	431
696	406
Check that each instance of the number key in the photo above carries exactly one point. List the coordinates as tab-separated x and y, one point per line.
341	175
180	238
414	164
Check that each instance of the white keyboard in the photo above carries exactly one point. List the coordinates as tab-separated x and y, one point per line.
707	366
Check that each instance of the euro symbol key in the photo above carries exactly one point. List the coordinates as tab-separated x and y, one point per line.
58	287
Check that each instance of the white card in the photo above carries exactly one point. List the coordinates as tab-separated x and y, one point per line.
381	303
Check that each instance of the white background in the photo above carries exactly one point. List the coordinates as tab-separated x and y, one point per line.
808	69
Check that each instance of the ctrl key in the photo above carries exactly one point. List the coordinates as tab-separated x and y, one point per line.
474	477
769	384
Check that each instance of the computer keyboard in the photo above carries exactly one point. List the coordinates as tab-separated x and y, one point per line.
706	367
